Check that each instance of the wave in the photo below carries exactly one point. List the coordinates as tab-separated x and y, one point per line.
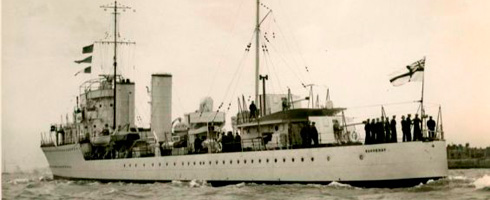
337	184
482	183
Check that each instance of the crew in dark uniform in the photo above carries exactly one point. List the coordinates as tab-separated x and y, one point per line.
381	130
238	142
431	125
367	127
314	134
417	132
253	110
337	131
197	144
374	132
304	135
387	130
407	135
285	104
393	129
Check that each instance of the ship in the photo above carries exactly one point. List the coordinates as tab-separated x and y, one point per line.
104	144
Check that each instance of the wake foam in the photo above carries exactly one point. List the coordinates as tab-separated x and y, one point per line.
337	184
482	183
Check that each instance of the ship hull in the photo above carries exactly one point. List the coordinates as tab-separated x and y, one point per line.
379	165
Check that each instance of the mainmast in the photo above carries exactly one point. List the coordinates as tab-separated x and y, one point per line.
257	55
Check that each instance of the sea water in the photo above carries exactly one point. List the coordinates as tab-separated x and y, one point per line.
460	184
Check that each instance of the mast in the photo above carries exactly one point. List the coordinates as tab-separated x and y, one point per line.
115	7
422	111
115	65
257	55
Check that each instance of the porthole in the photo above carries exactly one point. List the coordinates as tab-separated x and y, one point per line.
189	163
328	158
223	162
260	160
182	163
245	161
209	162
159	164
216	162
144	164
292	159
110	105
252	161
275	160
284	160
100	105
152	164
231	161
312	159
135	165
175	163
124	165
237	161
302	159
267	160
129	165
361	157
194	162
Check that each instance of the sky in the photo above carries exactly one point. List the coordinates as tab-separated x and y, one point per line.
350	47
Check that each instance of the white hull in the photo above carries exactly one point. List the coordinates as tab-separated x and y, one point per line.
398	162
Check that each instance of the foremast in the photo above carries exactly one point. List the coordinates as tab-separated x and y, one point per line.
115	7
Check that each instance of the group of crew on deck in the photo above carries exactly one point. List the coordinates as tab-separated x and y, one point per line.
229	143
309	135
384	131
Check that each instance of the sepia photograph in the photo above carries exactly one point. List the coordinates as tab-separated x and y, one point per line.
245	99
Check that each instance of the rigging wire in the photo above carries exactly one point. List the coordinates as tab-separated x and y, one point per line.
220	61
293	38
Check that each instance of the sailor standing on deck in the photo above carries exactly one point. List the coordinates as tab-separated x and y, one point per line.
368	132
314	134
305	131
431	125
393	129
253	110
387	130
406	128
381	130
337	131
374	132
417	132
